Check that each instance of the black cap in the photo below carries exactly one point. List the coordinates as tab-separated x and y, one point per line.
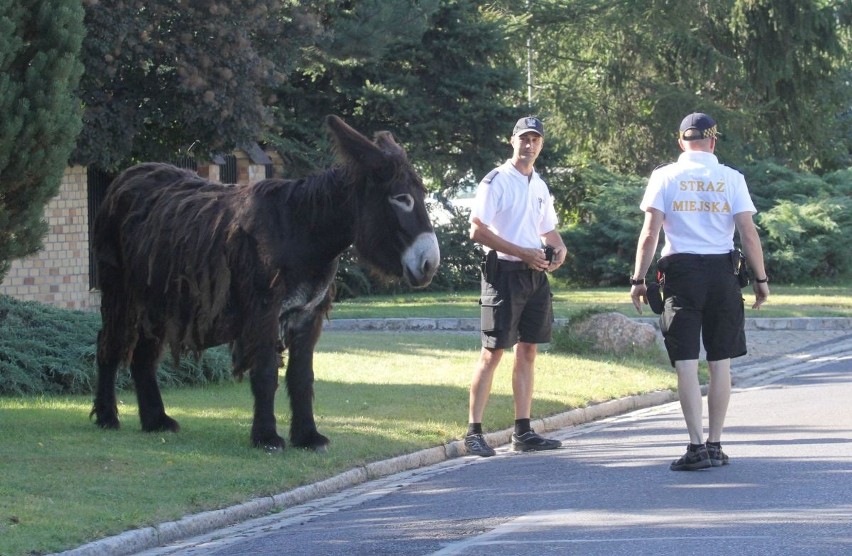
529	123
697	126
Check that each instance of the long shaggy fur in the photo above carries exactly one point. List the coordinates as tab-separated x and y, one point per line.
188	263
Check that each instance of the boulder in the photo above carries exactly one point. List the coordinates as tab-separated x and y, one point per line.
613	333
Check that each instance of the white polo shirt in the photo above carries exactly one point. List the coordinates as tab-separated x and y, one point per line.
699	197
516	208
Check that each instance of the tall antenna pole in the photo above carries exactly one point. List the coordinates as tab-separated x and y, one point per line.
529	65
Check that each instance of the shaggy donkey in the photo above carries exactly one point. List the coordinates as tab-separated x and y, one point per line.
193	264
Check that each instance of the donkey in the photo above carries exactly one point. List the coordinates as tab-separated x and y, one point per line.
193	264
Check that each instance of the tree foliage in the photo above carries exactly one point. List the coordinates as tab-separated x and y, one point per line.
610	78
440	75
39	71
162	75
618	75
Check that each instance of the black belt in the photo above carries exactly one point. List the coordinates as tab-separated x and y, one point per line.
509	266
665	262
696	257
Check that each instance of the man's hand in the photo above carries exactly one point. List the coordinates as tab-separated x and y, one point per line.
639	296
559	256
761	294
535	259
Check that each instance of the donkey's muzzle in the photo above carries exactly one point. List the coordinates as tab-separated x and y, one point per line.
420	261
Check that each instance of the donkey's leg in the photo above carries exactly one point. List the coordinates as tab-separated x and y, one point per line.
143	369
300	384
264	383
105	408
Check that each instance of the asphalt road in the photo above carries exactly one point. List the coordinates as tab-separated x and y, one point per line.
787	491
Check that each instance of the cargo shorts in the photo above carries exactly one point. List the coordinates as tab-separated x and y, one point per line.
516	305
702	302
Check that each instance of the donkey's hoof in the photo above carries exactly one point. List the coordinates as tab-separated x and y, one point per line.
315	441
163	423
272	445
108	422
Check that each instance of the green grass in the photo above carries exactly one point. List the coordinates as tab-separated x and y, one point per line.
66	482
784	301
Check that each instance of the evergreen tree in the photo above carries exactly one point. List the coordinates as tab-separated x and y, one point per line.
793	57
39	72
621	74
162	75
441	75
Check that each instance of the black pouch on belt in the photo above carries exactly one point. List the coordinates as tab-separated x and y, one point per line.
654	295
489	266
738	261
654	291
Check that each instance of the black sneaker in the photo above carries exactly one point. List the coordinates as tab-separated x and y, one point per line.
696	457
530	441
477	446
718	458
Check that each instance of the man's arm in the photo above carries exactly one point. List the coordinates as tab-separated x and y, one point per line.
754	255
534	258
560	252
646	246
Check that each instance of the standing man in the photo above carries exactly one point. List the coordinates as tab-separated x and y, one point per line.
699	203
512	215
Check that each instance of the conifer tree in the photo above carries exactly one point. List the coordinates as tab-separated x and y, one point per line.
39	114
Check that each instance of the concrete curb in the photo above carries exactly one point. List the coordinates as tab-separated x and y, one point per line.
146	538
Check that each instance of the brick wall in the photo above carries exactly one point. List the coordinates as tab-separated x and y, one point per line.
58	275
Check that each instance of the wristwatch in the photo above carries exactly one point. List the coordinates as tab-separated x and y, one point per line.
636	281
761	281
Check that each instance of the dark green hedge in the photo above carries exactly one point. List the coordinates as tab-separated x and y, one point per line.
46	350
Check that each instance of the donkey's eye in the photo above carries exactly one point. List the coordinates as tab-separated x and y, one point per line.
403	201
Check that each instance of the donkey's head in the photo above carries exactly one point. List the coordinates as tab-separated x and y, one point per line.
392	232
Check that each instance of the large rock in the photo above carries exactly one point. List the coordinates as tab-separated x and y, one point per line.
613	333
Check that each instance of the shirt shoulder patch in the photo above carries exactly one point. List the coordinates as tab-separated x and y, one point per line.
487	179
735	169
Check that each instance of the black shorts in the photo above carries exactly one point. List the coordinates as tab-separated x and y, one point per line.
516	306
702	299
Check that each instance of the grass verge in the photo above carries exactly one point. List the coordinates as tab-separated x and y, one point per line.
784	301
378	395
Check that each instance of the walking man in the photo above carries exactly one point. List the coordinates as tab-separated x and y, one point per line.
699	203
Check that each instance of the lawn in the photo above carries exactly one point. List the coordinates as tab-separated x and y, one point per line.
784	301
378	395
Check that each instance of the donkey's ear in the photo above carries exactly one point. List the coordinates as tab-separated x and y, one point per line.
354	146
386	142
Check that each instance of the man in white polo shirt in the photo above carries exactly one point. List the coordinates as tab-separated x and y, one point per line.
699	203
514	219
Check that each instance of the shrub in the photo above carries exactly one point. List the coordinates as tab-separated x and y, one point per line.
46	350
807	240
460	256
602	244
804	220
